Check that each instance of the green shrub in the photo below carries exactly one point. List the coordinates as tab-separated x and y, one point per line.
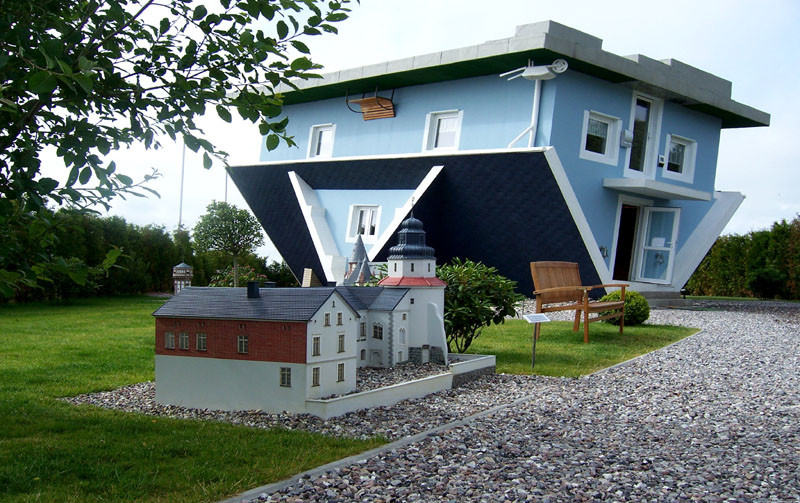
246	273
766	282
637	310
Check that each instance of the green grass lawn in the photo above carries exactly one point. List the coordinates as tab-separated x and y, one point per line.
561	352
53	451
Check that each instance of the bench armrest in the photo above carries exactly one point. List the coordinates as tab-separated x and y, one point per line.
617	285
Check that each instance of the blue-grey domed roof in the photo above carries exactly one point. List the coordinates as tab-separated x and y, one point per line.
410	242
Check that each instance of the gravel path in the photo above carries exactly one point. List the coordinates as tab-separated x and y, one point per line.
713	418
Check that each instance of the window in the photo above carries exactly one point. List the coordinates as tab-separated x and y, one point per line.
363	354
341	343
286	377
362	334
242	344
339	319
395	267
429	268
412	300
680	159
327	321
364	220
169	340
315	346
183	340
600	138
320	143
405	316
201	342
402	336
340	372
399	356
442	130
377	331
315	376
412	266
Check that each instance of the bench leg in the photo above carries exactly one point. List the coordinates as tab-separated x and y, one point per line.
577	322
622	321
586	326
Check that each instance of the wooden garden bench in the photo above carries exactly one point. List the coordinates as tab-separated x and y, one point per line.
560	283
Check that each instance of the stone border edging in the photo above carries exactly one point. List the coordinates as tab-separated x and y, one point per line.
363	456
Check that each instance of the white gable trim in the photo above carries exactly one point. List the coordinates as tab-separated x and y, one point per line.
314	214
577	214
704	235
401	212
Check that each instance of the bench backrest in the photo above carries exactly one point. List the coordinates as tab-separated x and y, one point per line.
554	275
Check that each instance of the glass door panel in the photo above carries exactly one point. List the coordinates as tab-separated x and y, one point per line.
641	126
658	244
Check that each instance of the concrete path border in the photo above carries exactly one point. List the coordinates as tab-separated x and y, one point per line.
363	456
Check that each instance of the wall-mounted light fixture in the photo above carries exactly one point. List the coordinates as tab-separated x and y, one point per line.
604	251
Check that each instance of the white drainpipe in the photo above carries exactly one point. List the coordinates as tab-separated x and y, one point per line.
537	74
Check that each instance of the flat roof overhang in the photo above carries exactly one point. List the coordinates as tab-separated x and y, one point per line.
653	188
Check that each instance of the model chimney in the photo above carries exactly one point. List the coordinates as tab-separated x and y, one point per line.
253	290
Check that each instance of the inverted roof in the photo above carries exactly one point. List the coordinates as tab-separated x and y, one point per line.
541	42
273	304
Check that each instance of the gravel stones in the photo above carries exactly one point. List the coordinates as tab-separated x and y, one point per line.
715	417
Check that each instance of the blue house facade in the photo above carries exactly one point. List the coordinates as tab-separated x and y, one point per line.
542	146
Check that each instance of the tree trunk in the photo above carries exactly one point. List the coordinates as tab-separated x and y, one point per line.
235	271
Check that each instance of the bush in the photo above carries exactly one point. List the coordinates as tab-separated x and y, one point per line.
637	310
766	282
246	273
475	297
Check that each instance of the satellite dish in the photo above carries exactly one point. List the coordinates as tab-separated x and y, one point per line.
559	66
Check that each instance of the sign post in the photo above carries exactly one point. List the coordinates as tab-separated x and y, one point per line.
535	319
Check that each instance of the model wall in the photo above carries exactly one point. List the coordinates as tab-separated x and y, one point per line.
267	340
330	356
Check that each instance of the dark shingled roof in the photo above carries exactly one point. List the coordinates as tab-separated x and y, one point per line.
276	304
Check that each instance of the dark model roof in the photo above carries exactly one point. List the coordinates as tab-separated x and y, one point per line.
275	304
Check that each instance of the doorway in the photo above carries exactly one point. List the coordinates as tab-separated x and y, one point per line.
626	240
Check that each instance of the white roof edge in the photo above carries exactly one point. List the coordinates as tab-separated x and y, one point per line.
670	75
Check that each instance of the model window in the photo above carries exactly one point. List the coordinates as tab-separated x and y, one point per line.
362	334
412	266
286	377
242	344
339	319
680	158
321	141
377	331
315	376
201	342
402	336
600	138
327	321
315	346
183	340
399	356
341	343
364	221
340	372
169	340
442	130
405	316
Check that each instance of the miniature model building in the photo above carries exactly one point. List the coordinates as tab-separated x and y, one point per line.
274	348
591	157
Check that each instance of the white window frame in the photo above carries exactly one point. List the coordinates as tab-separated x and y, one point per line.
242	344
286	377
671	246
201	336
352	223
340	372
169	340
402	336
183	340
653	138
315	346
314	376
339	319
611	154
313	140
362	331
689	159
326	320
340	346
377	329
432	126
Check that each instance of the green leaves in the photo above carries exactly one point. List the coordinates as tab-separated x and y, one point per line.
42	82
199	12
223	113
272	142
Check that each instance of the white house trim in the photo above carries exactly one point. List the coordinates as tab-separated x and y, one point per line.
314	214
577	214
652	188
401	212
702	238
634	201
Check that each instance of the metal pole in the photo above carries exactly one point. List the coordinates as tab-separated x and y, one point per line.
533	352
183	167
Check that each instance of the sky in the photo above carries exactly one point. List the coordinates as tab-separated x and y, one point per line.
754	44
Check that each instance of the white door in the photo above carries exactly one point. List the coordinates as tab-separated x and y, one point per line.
657	250
645	124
